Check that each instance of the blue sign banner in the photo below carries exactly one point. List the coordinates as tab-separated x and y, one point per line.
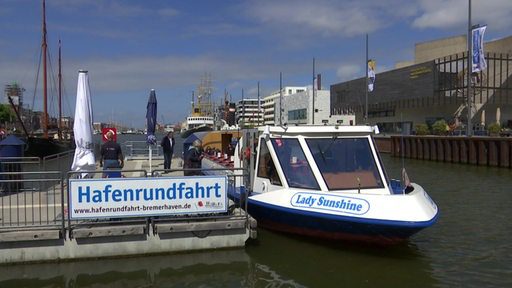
478	62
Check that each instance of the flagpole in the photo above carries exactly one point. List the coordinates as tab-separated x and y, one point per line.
259	104
366	87
468	76
243	109
313	108
280	97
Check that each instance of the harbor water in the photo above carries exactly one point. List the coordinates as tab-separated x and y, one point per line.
470	246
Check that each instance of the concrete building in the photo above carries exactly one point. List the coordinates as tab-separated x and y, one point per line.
297	109
249	113
269	101
434	86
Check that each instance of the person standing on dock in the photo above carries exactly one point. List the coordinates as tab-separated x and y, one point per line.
193	158
111	154
168	148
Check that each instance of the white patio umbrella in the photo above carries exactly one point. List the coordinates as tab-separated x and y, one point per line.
498	115
82	128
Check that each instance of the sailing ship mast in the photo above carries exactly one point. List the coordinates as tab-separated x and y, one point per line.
44	47
59	125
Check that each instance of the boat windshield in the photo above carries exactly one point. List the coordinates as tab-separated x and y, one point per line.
346	163
296	168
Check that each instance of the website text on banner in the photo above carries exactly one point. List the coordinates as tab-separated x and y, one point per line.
143	197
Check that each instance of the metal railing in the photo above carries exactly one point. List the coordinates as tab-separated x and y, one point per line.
27	201
39	200
59	162
140	149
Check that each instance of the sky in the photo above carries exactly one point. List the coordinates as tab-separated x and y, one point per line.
132	46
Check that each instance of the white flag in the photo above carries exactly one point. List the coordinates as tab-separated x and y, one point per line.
371	75
477	49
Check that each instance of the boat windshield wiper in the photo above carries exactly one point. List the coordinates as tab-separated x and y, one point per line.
328	148
321	152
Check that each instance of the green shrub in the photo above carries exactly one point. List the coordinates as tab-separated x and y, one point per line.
494	128
440	127
421	129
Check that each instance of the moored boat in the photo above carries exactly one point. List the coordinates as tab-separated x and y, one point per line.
328	182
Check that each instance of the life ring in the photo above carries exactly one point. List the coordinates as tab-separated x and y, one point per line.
247	153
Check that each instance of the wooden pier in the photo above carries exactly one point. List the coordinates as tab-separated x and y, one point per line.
482	151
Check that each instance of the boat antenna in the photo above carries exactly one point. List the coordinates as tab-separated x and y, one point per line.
405	178
366	86
280	98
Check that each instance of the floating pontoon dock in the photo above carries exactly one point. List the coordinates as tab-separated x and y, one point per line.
35	224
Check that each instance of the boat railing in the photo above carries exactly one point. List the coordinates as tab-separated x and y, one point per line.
140	149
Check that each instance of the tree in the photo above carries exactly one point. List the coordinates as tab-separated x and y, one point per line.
6	113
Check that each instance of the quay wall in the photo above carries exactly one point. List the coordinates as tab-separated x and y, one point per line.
482	151
69	248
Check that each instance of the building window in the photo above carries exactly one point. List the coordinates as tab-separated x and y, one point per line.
299	114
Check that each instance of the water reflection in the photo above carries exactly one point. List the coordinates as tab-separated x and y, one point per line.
206	269
315	263
226	268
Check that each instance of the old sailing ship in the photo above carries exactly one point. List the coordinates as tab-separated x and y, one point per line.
45	139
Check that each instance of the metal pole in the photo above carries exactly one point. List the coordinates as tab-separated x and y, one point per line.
45	76
280	97
242	115
469	130
366	87
313	106
259	104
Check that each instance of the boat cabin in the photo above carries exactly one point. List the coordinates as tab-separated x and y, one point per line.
321	158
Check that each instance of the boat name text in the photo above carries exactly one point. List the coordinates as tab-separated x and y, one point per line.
343	204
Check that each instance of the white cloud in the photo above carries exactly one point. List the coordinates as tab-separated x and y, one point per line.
345	18
349	72
454	14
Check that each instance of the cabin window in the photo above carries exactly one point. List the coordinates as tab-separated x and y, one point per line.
346	163
266	167
295	166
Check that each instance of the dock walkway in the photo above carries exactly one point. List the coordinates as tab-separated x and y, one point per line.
35	224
